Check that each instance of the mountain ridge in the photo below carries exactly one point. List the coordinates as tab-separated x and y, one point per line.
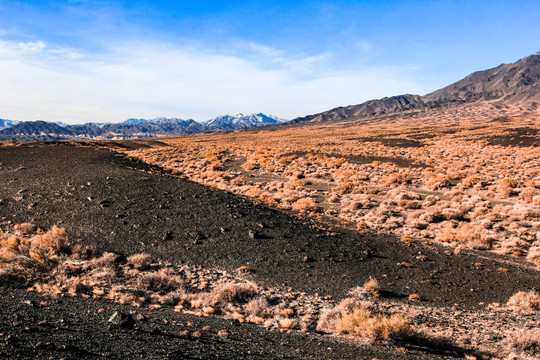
130	128
515	84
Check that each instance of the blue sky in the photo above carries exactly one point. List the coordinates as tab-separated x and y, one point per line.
84	60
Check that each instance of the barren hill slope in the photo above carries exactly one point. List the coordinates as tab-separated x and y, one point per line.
515	84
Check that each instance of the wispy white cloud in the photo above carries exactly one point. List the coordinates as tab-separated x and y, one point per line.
143	79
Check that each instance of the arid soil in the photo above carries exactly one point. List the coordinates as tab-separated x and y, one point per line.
124	206
448	176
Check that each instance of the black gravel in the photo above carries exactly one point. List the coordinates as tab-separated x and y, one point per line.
124	206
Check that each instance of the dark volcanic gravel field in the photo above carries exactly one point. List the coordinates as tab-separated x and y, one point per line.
128	207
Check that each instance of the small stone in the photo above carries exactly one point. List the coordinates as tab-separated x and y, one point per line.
122	320
139	317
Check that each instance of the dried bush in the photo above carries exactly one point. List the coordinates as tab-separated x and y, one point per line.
328	319
139	261
306	204
524	342
233	292
534	255
161	281
106	260
357	318
368	290
466	234
25	255
366	324
524	300
257	307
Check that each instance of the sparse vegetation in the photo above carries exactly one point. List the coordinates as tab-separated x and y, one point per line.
359	318
76	270
421	182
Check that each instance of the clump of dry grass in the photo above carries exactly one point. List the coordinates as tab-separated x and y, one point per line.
139	261
523	344
366	324
370	289
257	307
161	281
534	255
359	318
524	300
305	204
233	292
27	253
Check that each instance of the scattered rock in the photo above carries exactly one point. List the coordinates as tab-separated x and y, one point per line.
122	320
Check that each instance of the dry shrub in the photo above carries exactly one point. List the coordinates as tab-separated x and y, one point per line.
287	323
524	342
470	181
139	261
161	281
508	182
83	252
366	324
305	204
175	297
506	187
395	178
524	300
327	321
356	318
24	228
257	307
472	235
107	260
345	187
24	256
369	289
534	255
233	292
238	181
372	285
437	182
250	166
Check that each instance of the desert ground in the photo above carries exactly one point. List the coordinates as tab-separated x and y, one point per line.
397	238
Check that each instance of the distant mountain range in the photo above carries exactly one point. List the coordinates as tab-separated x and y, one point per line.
512	84
131	128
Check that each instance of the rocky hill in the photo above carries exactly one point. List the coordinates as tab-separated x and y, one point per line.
34	129
510	84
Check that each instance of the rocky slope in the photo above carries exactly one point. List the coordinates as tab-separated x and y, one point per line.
509	84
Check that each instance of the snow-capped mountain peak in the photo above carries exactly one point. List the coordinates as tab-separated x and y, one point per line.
241	121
